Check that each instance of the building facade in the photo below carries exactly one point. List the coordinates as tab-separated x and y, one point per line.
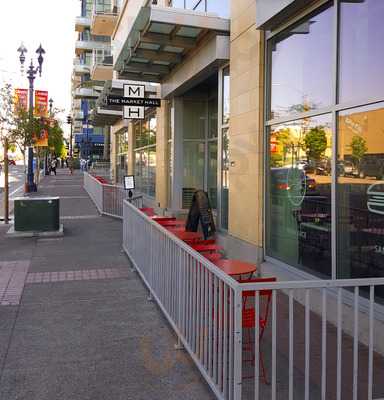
275	110
92	67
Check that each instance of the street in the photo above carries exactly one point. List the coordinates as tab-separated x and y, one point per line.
16	185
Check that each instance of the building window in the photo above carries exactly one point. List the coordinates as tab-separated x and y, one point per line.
145	154
301	78
315	103
361	41
299	183
200	147
224	131
121	156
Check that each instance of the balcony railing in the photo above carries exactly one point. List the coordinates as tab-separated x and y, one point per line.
102	57
218	7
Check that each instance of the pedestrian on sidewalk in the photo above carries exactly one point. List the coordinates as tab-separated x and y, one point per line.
53	166
70	165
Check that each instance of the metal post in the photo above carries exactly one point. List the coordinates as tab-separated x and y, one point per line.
70	139
31	186
6	185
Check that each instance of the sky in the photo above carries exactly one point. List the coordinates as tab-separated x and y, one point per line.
51	23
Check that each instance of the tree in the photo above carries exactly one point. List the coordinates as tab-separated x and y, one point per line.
23	130
56	139
6	127
358	147
315	143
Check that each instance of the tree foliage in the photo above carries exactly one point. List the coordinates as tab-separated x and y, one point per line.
315	143
358	147
6	112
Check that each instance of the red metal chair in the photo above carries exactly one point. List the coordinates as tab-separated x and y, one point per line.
248	322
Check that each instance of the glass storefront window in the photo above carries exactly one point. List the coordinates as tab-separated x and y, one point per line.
296	228
299	193
212	173
225	179
226	96
194	119
224	131
212	117
194	169
145	154
301	67
361	50
360	193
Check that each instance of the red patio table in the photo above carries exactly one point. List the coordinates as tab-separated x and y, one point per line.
187	236
236	267
201	248
158	218
171	223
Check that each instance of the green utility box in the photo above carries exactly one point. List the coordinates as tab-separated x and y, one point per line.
37	214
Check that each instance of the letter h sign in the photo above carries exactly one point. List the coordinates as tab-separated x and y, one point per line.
135	92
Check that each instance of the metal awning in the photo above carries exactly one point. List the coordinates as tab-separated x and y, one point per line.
105	115
161	37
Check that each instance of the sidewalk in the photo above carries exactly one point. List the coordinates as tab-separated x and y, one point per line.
75	322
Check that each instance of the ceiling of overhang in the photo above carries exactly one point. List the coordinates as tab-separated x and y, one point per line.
159	40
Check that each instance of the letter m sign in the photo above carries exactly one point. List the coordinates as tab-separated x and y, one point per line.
134	91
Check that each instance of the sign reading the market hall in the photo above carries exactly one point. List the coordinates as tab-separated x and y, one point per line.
133	101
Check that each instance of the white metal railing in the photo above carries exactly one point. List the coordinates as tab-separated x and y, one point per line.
194	295
95	190
108	198
306	354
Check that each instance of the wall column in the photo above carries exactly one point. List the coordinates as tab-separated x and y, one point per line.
162	134
246	125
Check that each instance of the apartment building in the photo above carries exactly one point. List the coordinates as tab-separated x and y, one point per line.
275	110
91	68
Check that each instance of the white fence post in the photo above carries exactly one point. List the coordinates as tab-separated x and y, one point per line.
238	345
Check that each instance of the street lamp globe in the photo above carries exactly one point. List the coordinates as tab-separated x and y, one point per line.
40	51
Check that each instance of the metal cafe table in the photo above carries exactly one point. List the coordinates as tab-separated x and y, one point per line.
236	267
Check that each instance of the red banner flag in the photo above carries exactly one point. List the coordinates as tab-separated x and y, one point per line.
21	99
41	103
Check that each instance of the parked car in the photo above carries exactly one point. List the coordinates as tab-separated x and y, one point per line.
346	168
286	179
372	165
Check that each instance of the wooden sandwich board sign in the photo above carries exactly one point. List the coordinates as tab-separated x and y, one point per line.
133	101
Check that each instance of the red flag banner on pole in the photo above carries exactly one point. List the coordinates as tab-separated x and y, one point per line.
41	103
21	99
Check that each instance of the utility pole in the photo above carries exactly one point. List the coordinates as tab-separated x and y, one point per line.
6	183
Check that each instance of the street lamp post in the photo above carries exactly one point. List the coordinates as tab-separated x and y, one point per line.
70	122
50	101
31	75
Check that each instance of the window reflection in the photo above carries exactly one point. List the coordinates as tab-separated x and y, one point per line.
301	73
361	50
145	154
226	94
299	191
360	193
225	179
